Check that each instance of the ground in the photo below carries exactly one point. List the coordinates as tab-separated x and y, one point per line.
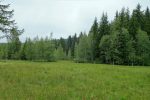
66	80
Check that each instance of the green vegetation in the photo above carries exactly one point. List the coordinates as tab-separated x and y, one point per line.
64	80
123	41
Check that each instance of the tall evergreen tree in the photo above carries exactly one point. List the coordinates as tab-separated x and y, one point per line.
121	43
74	40
117	14
139	16
14	44
29	50
127	19
122	19
147	21
6	21
23	51
68	44
104	28
133	26
94	40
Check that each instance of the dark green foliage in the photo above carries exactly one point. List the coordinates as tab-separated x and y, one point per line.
104	29
3	51
10	31
5	20
23	51
120	42
104	26
74	40
121	20
105	49
14	44
136	22
121	47
29	50
140	17
124	41
147	21
143	48
115	48
95	39
69	42
133	27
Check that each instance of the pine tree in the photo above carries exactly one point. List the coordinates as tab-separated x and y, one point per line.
147	21
29	50
14	44
76	52
69	43
139	16
121	44
23	51
122	19
62	43
117	14
7	24
127	19
104	28
133	26
94	40
74	40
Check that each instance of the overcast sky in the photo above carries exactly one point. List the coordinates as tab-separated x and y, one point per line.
64	17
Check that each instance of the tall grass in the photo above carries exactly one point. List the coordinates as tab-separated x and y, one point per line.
65	80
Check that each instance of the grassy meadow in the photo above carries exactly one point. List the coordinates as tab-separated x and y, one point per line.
66	80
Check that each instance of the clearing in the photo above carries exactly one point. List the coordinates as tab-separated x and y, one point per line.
66	80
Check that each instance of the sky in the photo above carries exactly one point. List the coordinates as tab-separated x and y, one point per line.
64	17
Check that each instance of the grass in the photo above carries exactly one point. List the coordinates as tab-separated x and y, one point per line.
65	80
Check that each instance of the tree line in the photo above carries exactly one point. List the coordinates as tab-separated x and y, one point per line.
124	41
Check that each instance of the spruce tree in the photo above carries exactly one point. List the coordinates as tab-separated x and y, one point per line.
94	40
14	44
104	28
121	44
147	21
6	21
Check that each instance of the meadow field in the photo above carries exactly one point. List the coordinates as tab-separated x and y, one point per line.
66	80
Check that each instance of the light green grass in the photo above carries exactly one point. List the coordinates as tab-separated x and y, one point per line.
66	80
